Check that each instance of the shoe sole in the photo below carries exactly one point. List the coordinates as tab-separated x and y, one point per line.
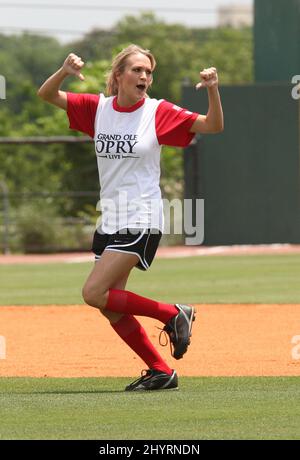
184	346
144	390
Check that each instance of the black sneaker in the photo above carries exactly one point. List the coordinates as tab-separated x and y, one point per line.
179	330
154	380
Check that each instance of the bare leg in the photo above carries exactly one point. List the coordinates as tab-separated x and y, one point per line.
111	271
111	315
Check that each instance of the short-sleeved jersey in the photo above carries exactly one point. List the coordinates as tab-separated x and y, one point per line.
128	145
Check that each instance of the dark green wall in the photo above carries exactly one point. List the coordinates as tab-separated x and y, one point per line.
277	40
249	175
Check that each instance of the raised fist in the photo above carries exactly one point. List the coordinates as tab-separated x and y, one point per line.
209	78
73	64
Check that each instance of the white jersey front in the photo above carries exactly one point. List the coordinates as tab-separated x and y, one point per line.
128	145
128	156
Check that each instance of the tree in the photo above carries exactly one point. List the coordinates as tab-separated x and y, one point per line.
96	45
27	60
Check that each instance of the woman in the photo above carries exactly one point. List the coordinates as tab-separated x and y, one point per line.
129	129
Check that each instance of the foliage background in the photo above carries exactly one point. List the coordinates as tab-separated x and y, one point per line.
27	60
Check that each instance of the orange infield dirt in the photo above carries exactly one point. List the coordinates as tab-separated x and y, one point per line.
76	341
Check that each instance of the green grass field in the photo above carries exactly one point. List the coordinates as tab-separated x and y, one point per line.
236	279
203	408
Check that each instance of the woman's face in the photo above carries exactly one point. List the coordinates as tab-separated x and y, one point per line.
135	80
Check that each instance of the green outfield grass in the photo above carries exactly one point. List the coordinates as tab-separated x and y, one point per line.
203	408
215	279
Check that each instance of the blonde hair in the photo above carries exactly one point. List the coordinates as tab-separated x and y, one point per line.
119	63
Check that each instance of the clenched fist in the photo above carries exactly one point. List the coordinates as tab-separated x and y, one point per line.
209	78
72	65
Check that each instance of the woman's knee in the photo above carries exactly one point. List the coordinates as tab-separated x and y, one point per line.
94	297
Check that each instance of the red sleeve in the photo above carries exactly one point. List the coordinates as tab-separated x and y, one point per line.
81	111
173	125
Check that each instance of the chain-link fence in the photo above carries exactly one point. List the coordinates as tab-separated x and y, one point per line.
34	218
38	211
30	223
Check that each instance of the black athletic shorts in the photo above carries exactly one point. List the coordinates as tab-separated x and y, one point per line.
140	241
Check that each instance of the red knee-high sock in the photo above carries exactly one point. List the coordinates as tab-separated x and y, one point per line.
131	331
130	303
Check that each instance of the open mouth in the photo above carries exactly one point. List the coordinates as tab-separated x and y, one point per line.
141	87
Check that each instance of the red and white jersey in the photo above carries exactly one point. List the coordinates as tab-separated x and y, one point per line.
128	145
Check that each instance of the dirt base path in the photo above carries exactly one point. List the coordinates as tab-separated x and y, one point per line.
162	253
76	341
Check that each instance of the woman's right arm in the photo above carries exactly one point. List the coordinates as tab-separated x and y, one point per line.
50	90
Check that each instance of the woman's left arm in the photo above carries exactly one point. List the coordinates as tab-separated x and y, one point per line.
213	121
